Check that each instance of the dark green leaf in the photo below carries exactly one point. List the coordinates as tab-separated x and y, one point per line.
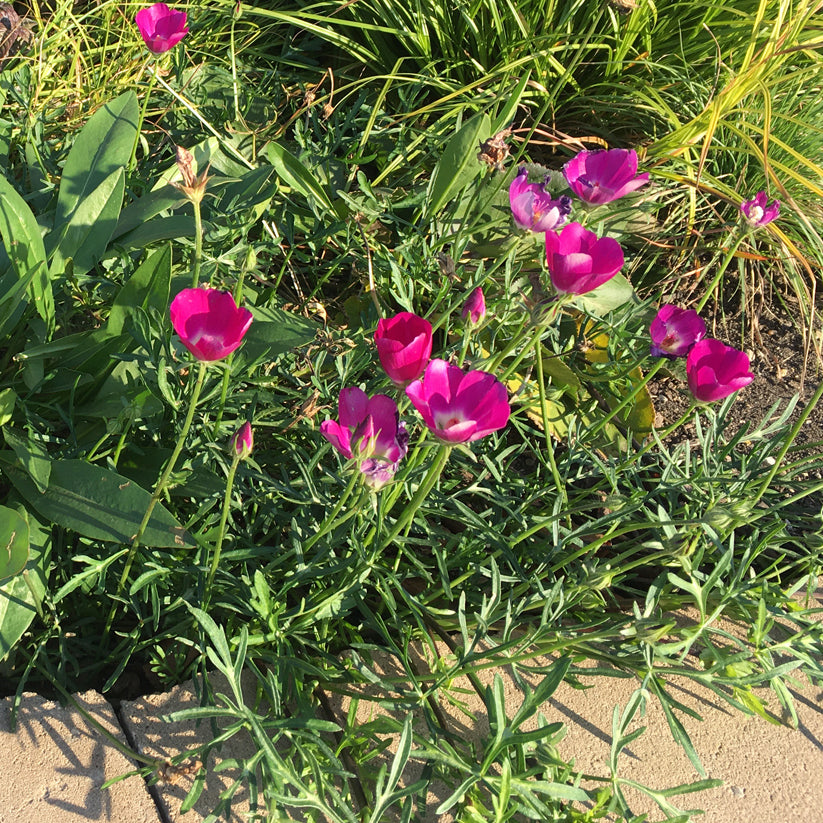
97	503
14	544
275	331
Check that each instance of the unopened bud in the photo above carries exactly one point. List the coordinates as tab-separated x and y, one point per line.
475	308
193	186
243	441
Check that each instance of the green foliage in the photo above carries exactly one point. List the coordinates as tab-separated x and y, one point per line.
561	543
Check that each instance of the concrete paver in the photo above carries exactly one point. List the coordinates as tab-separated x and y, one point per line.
54	765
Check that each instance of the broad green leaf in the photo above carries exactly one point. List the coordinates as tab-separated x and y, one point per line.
14	543
275	331
147	288
295	175
104	145
85	237
32	456
8	397
97	503
24	246
608	297
146	207
157	230
458	166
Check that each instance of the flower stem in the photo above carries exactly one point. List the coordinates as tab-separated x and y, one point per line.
198	243
161	486
423	490
721	271
143	110
331	519
665	433
544	413
221	532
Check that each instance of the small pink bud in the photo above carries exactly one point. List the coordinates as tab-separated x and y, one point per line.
243	441
475	307
404	346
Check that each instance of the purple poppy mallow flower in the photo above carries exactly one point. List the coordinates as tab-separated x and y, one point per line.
474	309
209	322
368	429
674	331
242	441
458	406
533	208
715	370
580	261
160	27
759	211
602	176
404	346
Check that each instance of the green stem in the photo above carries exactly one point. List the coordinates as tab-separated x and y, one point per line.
161	484
143	110
423	490
544	412
666	432
721	271
793	432
629	398
234	66
224	391
221	532
198	243
330	522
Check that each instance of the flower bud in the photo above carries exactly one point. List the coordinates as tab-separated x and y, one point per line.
243	441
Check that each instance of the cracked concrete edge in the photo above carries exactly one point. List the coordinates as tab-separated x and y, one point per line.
58	764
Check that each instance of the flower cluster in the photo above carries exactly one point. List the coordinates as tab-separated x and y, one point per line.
578	260
713	369
456	406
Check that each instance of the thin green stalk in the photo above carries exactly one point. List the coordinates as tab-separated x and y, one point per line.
629	398
793	432
161	486
423	490
666	432
198	242
143	110
221	531
224	391
721	271
331	519
233	53
544	413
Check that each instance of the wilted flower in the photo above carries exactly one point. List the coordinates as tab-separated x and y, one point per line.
243	441
193	186
758	211
715	370
404	346
580	261
533	207
459	406
209	322
602	176
475	306
674	331
160	27
369	430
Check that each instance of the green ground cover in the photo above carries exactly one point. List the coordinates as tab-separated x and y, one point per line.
346	163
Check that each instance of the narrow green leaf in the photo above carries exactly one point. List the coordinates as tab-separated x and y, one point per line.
295	175
97	503
147	288
458	166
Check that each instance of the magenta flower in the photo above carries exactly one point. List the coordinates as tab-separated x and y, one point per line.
160	27
602	176
209	322
243	441
758	212
475	306
715	370
404	346
674	331
533	207
369	429
459	406
579	260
